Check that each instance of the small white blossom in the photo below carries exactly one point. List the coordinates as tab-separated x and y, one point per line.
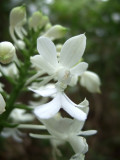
68	64
90	81
2	104
7	52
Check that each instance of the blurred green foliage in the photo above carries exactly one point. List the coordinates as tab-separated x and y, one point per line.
100	21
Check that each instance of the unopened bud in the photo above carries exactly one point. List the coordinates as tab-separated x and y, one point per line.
44	21
90	81
7	52
20	44
56	32
17	15
2	104
59	47
35	21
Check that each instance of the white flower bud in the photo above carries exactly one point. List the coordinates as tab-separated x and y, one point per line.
7	52
17	15
20	44
2	104
58	49
44	21
56	32
35	21
90	81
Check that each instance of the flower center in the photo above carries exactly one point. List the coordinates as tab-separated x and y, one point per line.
64	75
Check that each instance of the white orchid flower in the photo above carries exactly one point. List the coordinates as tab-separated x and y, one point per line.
66	129
59	101
68	64
90	81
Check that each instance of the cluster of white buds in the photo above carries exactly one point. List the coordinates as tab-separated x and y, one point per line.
36	22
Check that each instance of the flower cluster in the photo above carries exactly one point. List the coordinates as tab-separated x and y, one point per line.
47	73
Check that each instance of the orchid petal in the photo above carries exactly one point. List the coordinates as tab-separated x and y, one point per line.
41	63
72	50
78	144
79	68
41	136
47	50
76	126
48	110
72	110
87	133
52	127
57	126
74	104
45	92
